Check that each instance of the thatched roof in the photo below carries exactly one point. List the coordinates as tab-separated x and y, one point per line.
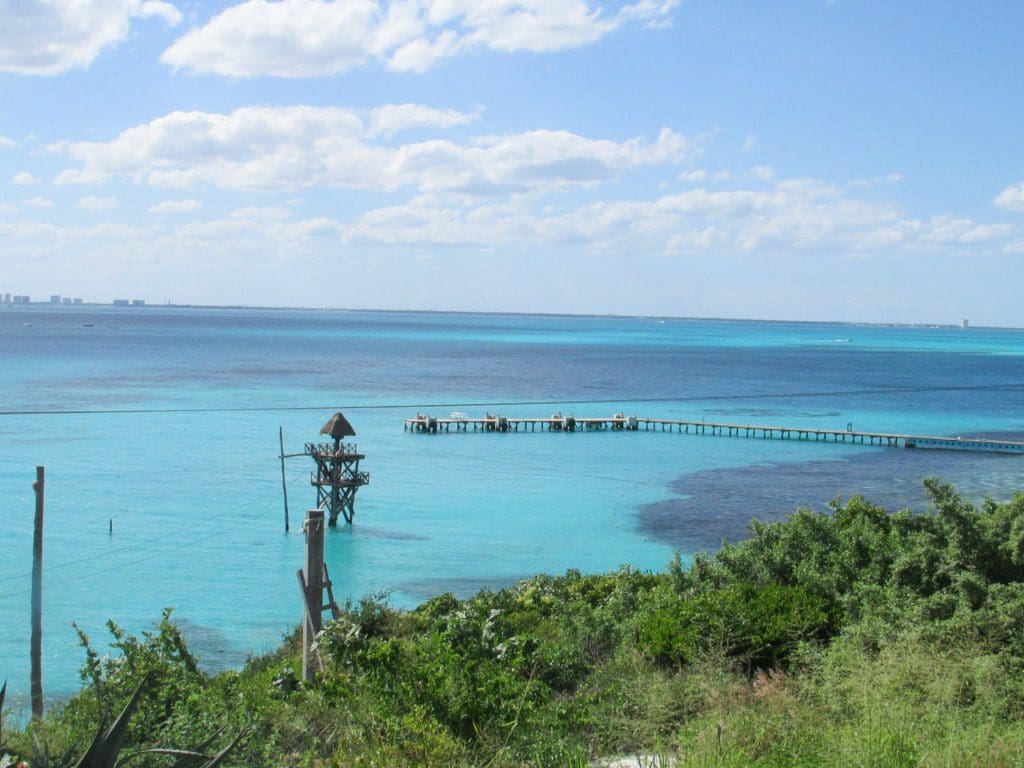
338	427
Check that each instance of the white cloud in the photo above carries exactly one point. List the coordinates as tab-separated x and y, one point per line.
6	143
393	118
750	143
754	223
888	179
24	179
293	38
653	14
262	213
1011	199
793	215
6	209
938	233
97	204
946	231
47	38
274	148
175	206
308	38
39	202
695	175
983	233
762	172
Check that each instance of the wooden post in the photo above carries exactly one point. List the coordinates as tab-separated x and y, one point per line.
37	596
313	577
284	485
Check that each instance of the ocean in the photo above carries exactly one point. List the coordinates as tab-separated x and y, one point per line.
159	431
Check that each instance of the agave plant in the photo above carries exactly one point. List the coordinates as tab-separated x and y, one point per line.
105	750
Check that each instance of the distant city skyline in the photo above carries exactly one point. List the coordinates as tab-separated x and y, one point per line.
57	299
830	160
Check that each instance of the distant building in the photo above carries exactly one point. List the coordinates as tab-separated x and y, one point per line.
66	300
963	323
77	300
22	300
122	303
7	298
55	298
138	302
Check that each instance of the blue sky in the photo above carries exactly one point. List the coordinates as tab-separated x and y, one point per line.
856	161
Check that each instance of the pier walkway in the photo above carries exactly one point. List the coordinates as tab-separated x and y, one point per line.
458	422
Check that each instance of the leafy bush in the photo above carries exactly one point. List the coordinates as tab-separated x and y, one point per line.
761	626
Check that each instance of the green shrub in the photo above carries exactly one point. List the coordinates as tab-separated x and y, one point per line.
759	625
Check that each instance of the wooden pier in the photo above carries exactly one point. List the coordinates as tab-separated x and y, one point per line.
620	422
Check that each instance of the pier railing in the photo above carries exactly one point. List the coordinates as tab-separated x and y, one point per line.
620	422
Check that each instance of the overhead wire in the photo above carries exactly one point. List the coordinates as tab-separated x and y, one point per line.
201	526
199	529
697	397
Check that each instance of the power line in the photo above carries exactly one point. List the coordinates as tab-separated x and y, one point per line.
150	543
1006	387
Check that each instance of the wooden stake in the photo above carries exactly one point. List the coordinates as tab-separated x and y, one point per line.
313	578
37	596
284	485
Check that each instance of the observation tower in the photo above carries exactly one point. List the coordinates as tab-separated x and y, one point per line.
337	476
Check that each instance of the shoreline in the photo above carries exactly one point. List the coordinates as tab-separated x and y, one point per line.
499	313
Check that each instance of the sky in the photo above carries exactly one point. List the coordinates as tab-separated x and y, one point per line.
850	160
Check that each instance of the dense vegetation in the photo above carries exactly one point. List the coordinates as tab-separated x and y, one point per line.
854	637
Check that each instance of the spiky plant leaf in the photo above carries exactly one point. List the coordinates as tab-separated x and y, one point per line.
42	756
185	757
220	756
188	757
199	750
107	744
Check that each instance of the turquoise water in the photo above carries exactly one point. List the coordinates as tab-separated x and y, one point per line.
163	423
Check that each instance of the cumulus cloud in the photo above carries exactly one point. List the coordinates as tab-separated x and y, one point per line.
274	148
756	223
48	38
24	179
175	206
309	38
1011	199
6	142
793	215
39	202
390	119
96	204
947	230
